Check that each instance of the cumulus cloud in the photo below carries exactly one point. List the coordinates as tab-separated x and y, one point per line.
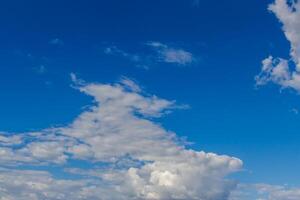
130	156
284	71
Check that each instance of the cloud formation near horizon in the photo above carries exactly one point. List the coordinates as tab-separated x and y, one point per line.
130	156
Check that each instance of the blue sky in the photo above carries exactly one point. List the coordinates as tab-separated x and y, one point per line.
222	43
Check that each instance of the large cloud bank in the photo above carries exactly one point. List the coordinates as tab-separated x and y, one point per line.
128	155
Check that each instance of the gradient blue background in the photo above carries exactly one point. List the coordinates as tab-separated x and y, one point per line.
228	115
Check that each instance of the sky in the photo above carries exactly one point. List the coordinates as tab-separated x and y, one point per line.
192	99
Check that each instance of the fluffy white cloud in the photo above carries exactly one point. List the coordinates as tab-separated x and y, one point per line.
139	159
284	72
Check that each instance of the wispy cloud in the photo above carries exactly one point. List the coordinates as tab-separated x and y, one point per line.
172	55
158	53
113	50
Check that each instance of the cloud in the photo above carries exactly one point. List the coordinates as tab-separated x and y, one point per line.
130	156
284	72
140	61
159	53
278	192
36	185
172	55
113	50
274	70
130	84
265	192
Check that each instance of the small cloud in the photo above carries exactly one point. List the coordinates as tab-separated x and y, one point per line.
75	80
140	61
56	41
178	56
130	84
113	50
157	45
161	53
172	55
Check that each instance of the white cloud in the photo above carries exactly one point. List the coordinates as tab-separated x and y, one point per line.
46	151
130	84
113	50
143	160
284	72
278	192
9	140
37	185
265	192
274	70
161	53
172	55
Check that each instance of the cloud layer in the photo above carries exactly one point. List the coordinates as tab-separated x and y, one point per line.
265	192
